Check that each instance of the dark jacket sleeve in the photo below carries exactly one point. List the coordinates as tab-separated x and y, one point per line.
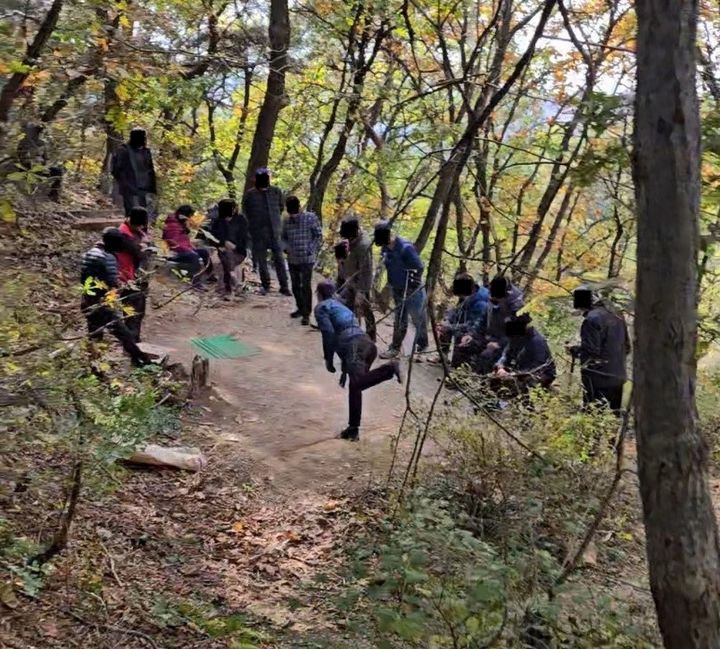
592	334
240	234
151	173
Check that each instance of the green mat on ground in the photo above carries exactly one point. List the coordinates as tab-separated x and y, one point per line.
222	347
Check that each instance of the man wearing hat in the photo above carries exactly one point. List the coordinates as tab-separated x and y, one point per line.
603	350
404	269
262	205
357	273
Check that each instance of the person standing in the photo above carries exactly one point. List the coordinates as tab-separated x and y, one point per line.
134	173
229	229
602	352
99	276
357	273
342	335
133	285
302	237
262	206
404	269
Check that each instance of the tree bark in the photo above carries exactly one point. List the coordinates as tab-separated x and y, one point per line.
275	97
682	536
12	86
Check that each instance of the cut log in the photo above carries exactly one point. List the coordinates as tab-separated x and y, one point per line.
199	376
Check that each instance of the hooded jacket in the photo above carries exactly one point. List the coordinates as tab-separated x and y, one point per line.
470	316
529	353
337	325
177	235
403	264
604	347
358	267
263	210
499	314
123	169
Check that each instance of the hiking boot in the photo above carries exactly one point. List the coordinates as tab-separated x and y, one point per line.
295	314
305	321
351	434
286	292
397	371
390	353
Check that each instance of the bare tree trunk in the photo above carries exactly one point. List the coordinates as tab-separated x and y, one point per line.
12	86
682	536
275	98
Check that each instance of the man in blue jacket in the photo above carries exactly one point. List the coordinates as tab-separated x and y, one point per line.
404	268
468	318
342	335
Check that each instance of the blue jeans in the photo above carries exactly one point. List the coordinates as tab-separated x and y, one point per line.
414	305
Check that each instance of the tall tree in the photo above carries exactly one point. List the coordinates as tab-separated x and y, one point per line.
682	536
275	98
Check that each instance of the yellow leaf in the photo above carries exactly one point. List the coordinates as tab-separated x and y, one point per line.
238	527
7	213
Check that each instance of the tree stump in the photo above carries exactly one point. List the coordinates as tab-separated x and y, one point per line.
199	376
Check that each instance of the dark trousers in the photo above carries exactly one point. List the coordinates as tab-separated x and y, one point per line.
138	199
462	355
101	318
301	278
229	260
610	394
196	261
137	300
261	245
358	357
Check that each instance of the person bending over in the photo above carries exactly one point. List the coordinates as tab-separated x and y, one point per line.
229	229
526	361
302	237
465	321
342	335
100	266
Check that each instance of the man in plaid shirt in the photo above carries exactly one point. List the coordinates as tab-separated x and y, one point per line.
302	236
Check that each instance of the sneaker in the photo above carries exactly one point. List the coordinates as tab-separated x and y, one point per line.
295	314
286	292
397	371
390	354
351	434
305	321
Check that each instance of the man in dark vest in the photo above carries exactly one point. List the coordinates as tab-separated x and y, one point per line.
262	206
603	350
134	173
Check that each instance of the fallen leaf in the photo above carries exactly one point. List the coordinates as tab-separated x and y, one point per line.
7	596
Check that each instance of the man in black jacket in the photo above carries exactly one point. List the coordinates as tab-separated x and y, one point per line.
229	228
603	350
134	172
263	205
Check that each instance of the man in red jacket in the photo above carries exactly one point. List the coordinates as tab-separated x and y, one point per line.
176	234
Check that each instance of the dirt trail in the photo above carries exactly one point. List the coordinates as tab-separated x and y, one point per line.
282	406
